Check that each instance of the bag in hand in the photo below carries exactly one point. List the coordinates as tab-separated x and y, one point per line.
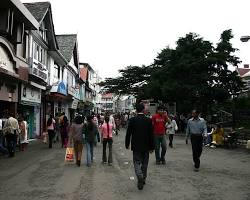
69	155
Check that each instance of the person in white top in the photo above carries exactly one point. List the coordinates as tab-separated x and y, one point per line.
11	132
112	121
23	125
172	127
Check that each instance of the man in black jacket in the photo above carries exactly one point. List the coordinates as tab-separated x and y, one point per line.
140	133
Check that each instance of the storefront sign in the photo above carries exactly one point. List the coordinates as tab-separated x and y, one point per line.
30	95
74	104
77	93
39	70
60	88
71	90
5	61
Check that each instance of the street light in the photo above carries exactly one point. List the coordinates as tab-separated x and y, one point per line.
245	38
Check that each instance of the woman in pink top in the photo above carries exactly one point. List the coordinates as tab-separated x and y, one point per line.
106	131
51	129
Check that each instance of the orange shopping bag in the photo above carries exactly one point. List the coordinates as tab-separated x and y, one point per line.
69	155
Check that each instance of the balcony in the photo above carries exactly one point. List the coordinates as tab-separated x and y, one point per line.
39	70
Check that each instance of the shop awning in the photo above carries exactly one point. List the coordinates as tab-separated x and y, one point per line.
59	88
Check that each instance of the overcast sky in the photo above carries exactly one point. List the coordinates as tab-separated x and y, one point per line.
113	34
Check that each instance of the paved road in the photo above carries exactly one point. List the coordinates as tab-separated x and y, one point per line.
40	173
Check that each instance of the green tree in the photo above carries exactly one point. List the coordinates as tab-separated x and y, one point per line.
131	81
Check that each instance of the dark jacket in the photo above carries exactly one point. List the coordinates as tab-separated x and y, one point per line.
140	132
91	135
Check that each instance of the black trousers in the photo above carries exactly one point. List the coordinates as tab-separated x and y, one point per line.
104	155
11	140
51	134
171	137
196	141
141	164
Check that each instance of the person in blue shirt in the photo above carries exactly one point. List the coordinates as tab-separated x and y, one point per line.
196	129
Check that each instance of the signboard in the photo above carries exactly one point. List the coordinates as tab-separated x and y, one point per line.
71	91
74	104
60	88
30	95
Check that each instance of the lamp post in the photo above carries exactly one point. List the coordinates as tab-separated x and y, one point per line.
245	38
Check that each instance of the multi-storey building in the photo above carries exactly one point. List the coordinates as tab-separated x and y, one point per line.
16	22
69	48
107	103
44	59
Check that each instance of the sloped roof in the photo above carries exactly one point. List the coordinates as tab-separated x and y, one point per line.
38	9
66	44
83	73
243	71
246	74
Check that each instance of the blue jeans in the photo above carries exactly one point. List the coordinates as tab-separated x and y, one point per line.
160	147
89	152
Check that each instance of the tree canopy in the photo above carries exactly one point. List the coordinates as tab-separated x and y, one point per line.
196	72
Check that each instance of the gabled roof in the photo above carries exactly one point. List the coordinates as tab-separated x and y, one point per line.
38	9
21	13
243	71
246	74
66	44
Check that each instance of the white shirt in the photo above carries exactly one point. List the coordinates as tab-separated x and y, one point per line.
1	124
171	127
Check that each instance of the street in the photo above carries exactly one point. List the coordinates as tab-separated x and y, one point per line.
41	173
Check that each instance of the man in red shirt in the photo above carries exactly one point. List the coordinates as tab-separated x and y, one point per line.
159	120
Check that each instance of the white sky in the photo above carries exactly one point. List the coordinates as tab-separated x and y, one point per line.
113	34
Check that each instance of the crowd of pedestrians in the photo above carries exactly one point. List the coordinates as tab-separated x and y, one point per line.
144	134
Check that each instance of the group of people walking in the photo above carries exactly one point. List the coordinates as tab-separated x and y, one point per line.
82	132
13	132
146	135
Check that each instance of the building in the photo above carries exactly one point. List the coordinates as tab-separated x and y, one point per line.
16	23
45	62
107	103
124	103
244	73
69	48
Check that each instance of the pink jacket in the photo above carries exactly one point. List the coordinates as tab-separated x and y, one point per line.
104	130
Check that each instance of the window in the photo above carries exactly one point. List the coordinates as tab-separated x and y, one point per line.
56	71
39	53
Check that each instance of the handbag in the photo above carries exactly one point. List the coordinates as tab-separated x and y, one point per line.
69	155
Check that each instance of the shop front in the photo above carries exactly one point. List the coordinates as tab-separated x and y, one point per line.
8	80
59	99
30	108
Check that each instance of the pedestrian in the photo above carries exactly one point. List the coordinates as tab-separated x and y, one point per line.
196	129
140	135
11	132
106	133
23	125
172	127
218	136
64	131
112	121
57	128
51	129
3	150
76	136
91	133
159	120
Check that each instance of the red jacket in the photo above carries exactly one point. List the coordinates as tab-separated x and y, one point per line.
159	122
